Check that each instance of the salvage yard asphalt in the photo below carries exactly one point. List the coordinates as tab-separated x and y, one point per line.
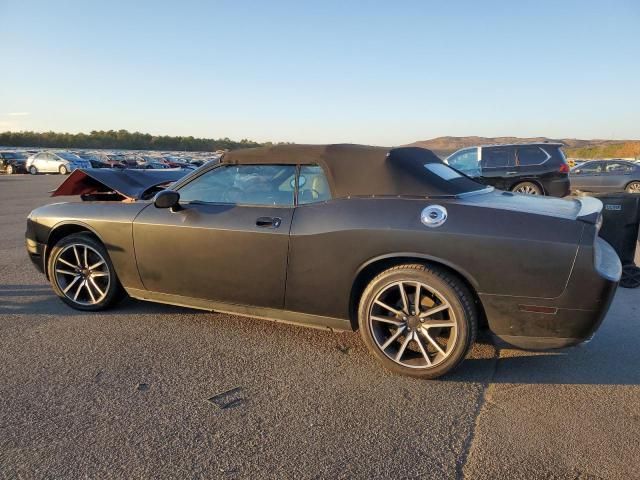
147	390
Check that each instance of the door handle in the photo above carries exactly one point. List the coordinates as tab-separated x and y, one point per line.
512	173
268	222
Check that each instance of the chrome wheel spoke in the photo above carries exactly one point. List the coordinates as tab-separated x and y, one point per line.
99	274
75	296
88	287
423	350
65	272
390	320
387	307
416	303
403	347
73	282
393	338
75	252
95	285
96	265
86	262
432	341
438	324
434	310
68	264
405	300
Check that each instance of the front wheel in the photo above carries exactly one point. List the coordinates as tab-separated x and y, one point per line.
527	188
633	187
82	275
63	170
33	170
417	320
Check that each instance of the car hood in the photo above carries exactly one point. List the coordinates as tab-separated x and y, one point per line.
127	183
579	208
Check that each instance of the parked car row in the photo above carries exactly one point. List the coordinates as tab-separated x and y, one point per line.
65	161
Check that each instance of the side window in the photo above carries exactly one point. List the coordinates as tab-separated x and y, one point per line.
590	168
497	157
243	184
466	161
312	185
617	167
531	156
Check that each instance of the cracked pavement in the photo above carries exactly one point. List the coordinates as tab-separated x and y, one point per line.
148	390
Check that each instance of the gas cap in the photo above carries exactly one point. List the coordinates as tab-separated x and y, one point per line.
433	216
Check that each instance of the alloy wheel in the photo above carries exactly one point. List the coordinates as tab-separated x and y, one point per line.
413	324
9	169
633	187
33	170
527	189
82	274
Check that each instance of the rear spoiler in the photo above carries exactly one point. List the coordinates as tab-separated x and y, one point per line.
590	209
119	184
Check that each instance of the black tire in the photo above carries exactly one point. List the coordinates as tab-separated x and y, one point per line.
63	170
33	170
633	187
461	312
527	188
100	291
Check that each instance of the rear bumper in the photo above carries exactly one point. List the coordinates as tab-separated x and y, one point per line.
571	318
558	187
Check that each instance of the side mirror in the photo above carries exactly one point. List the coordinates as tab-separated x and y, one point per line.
577	172
167	199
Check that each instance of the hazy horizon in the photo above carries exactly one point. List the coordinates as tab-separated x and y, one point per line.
387	74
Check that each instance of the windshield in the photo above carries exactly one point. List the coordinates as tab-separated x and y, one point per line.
68	156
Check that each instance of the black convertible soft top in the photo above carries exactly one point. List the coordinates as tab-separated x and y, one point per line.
360	170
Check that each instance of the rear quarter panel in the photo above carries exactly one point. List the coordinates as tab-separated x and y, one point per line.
499	252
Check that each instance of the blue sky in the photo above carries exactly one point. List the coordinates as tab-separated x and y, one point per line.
375	72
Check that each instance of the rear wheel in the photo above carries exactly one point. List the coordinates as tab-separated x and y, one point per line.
633	187
417	320
63	170
9	170
82	274
528	188
33	170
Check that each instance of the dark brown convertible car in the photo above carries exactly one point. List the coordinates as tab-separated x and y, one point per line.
391	242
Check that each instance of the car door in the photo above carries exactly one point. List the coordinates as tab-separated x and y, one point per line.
498	166
229	240
615	176
42	162
587	177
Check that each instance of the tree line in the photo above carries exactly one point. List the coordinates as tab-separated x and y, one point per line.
121	139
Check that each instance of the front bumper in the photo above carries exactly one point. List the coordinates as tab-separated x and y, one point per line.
571	318
37	253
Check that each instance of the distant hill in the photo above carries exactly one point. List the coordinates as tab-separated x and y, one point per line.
575	148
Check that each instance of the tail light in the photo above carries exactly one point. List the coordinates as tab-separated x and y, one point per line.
564	168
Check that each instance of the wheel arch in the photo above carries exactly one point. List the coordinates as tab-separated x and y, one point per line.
64	229
376	265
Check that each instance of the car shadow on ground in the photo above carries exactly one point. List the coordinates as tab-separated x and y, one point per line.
611	358
605	361
40	299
